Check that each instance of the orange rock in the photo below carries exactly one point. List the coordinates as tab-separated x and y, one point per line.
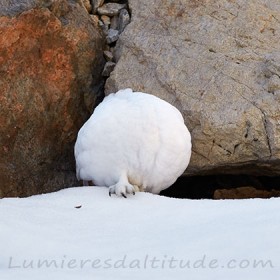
50	60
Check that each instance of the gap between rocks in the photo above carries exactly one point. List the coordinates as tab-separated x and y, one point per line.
112	17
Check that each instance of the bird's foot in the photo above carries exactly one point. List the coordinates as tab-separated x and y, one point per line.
121	189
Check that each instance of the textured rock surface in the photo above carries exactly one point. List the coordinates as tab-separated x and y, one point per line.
50	62
218	62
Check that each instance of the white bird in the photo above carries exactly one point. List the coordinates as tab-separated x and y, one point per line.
133	141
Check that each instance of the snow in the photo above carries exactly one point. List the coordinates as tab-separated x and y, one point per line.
145	236
131	139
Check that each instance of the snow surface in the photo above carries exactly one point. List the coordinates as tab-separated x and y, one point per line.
130	139
142	237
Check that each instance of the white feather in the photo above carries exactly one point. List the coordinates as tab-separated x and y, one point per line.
133	139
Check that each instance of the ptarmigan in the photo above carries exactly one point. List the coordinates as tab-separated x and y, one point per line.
133	141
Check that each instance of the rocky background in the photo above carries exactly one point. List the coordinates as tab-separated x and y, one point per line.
217	61
51	59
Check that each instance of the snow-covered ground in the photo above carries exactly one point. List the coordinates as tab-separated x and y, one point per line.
142	237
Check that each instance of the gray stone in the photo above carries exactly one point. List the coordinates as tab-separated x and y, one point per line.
215	61
124	20
121	21
109	67
113	36
12	8
110	9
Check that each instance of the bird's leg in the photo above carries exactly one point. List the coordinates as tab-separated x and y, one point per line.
122	188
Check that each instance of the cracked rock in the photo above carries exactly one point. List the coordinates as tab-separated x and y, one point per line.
216	62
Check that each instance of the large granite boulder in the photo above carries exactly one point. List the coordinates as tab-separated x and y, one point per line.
50	63
218	62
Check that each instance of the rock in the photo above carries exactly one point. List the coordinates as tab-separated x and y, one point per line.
51	59
103	27
95	19
120	22
109	67
108	55
110	9
245	193
124	20
113	36
87	5
215	61
106	20
96	4
12	8
114	24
